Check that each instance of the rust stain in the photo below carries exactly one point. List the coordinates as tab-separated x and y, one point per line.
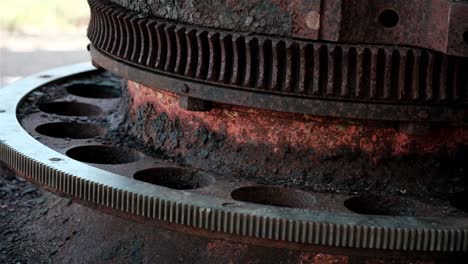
256	126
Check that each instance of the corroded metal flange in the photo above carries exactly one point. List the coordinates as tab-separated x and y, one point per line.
307	227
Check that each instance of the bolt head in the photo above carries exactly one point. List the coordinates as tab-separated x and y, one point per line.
183	88
423	116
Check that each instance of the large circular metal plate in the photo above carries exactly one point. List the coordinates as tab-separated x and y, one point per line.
281	224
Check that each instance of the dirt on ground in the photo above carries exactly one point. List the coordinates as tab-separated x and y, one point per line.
40	227
24	208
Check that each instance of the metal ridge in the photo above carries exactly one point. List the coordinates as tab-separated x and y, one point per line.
47	167
453	115
284	66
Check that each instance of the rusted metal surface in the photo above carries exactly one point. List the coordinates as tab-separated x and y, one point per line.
436	24
309	152
328	72
373	73
455	114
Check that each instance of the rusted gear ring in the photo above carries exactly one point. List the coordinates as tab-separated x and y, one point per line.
440	25
287	225
342	80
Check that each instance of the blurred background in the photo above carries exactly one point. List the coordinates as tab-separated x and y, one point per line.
36	35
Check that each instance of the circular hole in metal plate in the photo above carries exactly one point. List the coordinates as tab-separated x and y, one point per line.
175	178
94	91
70	109
70	130
459	201
274	195
103	154
389	18
381	205
230	205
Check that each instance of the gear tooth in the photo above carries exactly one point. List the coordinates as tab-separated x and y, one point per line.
181	57
162	46
171	48
203	55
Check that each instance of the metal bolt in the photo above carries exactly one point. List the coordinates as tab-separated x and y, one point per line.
184	88
423	116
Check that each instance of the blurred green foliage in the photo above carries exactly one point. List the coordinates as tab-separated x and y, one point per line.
43	15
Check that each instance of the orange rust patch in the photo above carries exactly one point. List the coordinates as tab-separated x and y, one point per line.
257	126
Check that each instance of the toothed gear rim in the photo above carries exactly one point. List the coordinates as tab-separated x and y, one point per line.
67	176
377	82
385	80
